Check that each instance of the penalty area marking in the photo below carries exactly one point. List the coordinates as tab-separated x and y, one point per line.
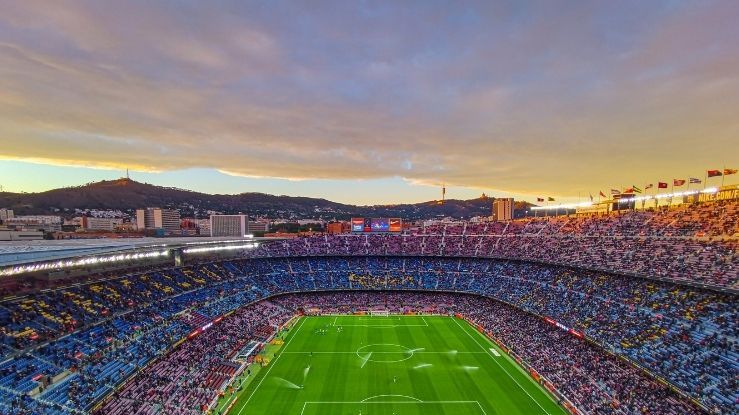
354	352
391	396
384	320
413	402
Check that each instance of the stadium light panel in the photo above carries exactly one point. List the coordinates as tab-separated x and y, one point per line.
81	262
219	248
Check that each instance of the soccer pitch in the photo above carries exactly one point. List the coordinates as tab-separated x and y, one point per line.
395	365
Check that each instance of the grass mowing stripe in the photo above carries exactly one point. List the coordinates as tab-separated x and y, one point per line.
348	369
272	365
501	366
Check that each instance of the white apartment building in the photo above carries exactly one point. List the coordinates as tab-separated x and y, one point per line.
229	225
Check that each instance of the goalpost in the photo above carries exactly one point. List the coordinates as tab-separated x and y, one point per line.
379	313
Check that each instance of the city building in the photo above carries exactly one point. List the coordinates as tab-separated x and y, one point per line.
46	223
229	225
6	214
11	235
100	224
157	218
503	209
258	226
199	226
338	227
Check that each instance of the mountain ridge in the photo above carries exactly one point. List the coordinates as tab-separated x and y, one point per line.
127	195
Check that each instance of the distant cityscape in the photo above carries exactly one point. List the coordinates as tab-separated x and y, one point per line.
162	222
193	218
191	214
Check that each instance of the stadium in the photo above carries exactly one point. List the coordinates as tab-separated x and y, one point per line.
369	207
631	312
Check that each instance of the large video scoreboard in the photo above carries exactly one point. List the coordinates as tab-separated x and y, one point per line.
377	225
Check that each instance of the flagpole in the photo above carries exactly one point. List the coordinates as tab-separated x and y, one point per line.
617	209
705	180
656	202
646	194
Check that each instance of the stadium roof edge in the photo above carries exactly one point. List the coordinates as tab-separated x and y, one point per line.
17	253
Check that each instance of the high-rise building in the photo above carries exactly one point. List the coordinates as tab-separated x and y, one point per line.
158	218
503	209
229	225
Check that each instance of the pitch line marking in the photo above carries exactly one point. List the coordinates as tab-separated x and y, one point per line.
419	402
481	408
407	350
372	326
383	396
418	352
270	368
379	326
504	369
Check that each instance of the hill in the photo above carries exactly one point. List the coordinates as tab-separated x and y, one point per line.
127	195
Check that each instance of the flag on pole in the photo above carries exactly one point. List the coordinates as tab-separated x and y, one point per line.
539	199
662	185
693	180
550	199
635	189
678	182
714	173
730	171
649	186
615	192
602	194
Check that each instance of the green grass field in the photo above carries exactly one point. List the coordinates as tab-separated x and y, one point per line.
409	365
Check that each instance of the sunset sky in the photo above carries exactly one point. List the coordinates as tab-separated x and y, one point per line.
368	102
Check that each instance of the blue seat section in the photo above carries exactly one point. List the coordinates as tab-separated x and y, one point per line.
101	333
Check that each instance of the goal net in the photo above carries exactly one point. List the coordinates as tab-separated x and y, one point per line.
379	313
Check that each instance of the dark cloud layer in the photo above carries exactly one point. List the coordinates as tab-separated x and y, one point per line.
518	96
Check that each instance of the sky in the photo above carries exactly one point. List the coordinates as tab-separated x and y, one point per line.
368	101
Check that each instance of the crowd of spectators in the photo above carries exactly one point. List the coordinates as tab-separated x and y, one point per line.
694	244
65	349
683	334
187	380
686	335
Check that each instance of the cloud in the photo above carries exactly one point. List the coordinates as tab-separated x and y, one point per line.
530	98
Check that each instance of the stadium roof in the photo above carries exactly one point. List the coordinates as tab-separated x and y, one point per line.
23	252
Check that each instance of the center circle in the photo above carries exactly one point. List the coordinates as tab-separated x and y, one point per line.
384	353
